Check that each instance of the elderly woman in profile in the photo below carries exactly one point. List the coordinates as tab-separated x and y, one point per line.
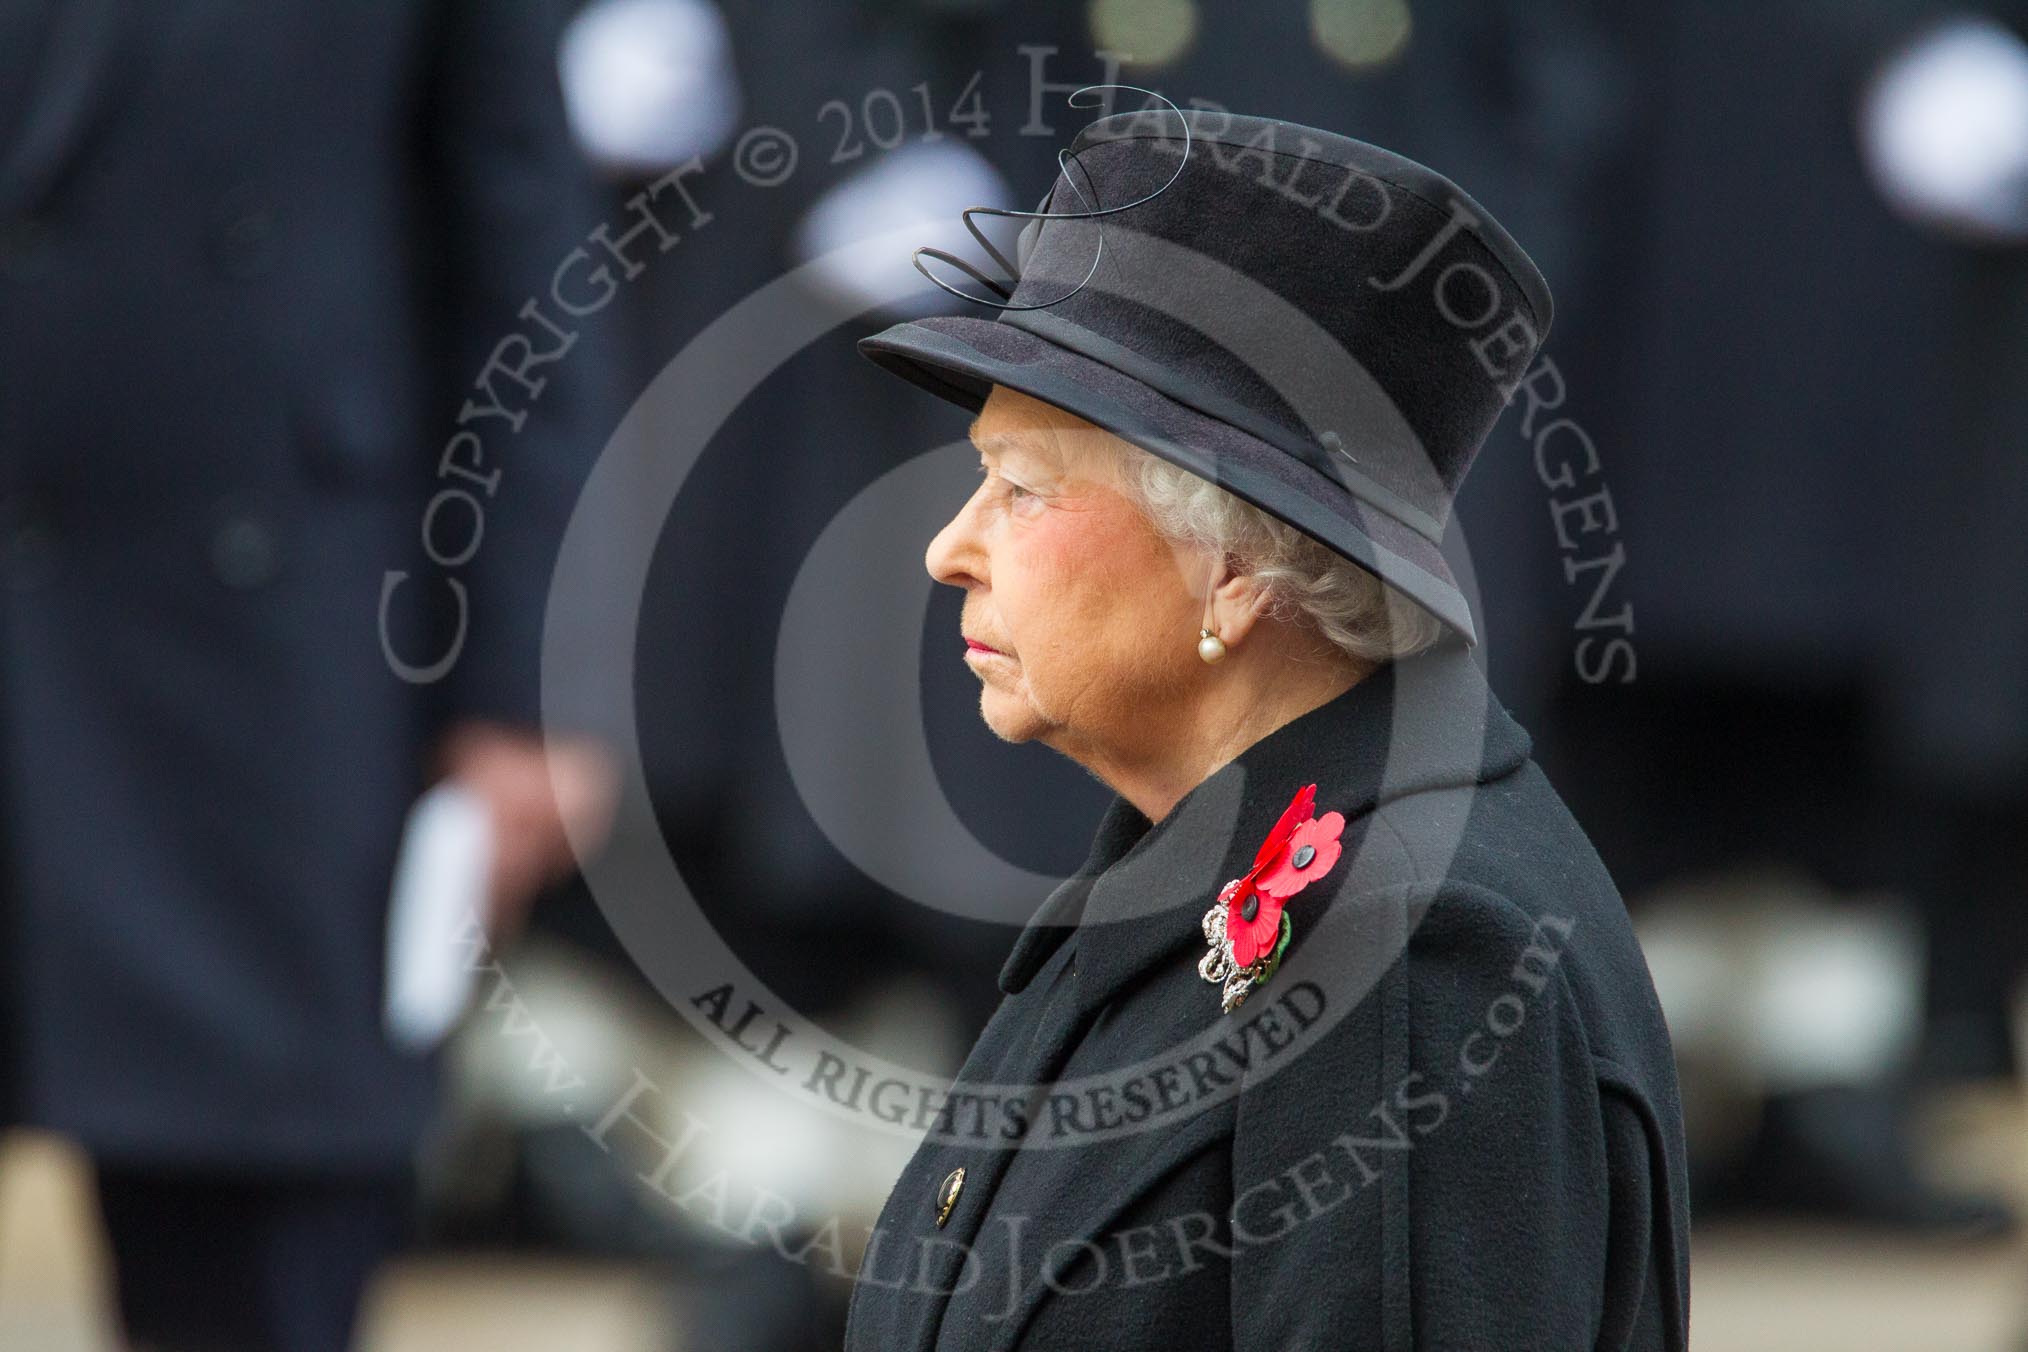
1340	1037
1078	549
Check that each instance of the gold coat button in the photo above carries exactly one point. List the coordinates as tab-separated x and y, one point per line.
947	1194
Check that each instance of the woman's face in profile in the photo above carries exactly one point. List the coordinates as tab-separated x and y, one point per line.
1091	627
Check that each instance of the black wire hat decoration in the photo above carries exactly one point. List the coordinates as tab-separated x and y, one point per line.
1063	162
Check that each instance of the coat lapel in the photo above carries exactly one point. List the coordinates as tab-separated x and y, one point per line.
1020	1047
1122	825
1426	722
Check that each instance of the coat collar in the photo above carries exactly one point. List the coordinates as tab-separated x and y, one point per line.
1424	722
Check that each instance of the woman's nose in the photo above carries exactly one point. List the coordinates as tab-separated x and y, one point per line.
954	556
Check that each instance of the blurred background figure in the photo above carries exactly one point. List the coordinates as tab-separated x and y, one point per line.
1810	365
252	260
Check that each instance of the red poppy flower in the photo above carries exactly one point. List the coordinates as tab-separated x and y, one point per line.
1250	938
1311	850
1297	812
1275	877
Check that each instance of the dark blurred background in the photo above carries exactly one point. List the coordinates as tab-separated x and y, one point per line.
314	322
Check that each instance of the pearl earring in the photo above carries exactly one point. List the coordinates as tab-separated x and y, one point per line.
1210	646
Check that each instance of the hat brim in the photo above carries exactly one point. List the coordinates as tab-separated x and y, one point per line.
960	358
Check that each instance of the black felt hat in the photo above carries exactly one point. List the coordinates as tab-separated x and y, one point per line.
1323	327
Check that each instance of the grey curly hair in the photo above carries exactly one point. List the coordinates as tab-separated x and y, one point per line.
1307	582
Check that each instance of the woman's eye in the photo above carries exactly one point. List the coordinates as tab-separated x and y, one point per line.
1013	490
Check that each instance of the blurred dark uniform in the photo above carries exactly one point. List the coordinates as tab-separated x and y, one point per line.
1811	413
251	258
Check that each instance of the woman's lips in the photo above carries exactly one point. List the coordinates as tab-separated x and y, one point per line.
973	645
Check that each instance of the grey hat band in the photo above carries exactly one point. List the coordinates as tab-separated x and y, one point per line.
1336	466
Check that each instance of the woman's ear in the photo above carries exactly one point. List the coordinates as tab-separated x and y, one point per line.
1237	604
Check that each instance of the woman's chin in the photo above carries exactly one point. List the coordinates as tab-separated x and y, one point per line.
1009	717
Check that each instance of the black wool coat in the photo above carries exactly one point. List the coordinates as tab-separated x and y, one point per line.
1449	1120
